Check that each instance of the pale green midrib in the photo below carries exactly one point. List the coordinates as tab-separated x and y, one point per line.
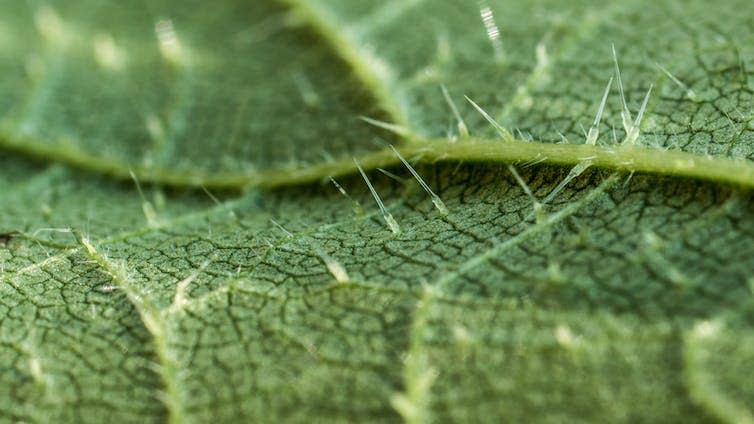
623	158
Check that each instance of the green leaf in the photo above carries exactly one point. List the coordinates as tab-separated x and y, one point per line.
185	235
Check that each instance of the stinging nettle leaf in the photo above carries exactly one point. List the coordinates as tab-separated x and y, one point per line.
193	228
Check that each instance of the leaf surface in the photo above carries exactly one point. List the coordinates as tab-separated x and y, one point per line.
150	272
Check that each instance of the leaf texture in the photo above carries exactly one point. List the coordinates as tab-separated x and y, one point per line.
173	248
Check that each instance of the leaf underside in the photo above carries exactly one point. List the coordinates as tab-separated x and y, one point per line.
149	272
